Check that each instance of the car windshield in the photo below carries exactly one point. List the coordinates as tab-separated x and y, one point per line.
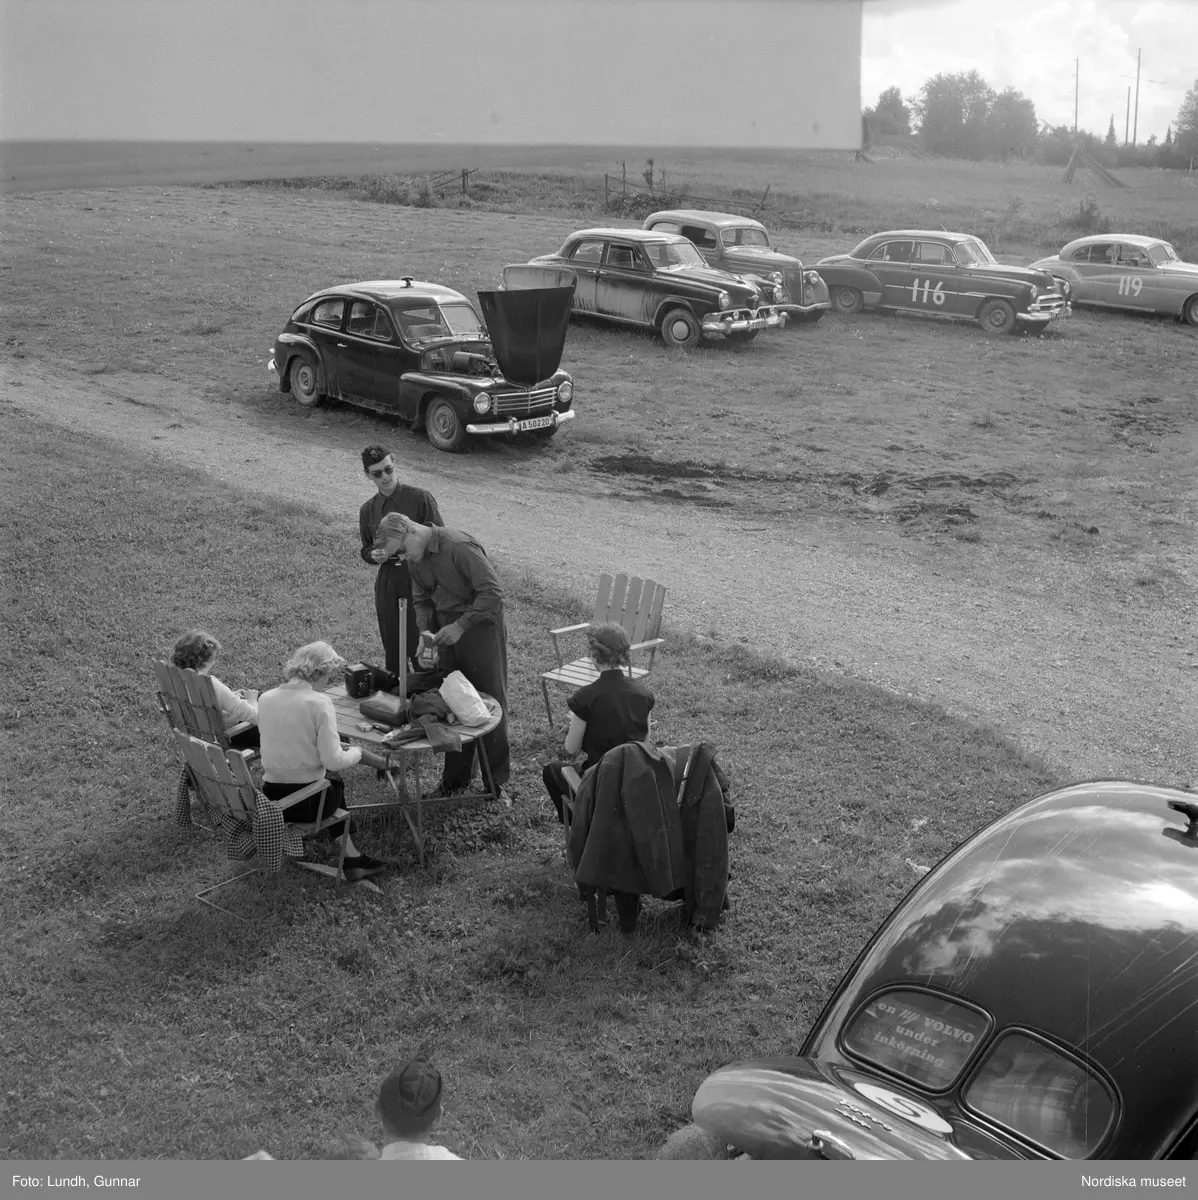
668	256
439	320
973	252
745	236
1162	252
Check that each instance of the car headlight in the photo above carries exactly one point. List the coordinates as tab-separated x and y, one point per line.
482	402
1035	291
811	278
777	278
725	300
565	392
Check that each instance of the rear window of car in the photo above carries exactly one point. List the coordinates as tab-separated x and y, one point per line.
587	252
922	1036
893	252
1042	1094
328	312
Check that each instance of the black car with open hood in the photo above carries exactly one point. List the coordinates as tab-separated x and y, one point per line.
1035	995
422	352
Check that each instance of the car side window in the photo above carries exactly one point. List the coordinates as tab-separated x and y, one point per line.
623	256
368	320
893	252
1132	256
666	227
1102	253
328	312
932	252
587	252
703	238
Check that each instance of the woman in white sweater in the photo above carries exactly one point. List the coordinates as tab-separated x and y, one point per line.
300	745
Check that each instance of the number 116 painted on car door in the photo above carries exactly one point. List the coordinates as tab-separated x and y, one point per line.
927	292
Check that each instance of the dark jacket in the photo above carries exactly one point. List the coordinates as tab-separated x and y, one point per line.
633	832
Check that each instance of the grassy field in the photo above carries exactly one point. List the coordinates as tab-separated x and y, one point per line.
137	1024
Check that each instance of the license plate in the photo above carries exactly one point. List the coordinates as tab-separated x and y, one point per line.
534	423
758	323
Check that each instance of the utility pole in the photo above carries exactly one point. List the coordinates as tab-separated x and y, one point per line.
1127	119
1136	124
1077	77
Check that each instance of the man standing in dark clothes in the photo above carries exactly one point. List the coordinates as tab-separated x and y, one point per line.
458	598
392	583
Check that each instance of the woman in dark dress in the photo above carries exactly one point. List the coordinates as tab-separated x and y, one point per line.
612	710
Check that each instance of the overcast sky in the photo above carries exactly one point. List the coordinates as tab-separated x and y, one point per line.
1031	46
343	70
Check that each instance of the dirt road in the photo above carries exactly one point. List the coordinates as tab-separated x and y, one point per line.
1096	684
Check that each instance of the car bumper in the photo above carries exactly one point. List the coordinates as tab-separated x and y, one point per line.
800	310
743	320
270	366
1041	316
512	425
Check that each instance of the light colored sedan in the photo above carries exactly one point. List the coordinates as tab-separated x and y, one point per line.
1127	270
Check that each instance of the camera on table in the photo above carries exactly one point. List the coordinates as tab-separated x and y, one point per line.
364	679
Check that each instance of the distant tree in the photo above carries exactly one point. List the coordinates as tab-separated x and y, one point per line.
890	115
1185	136
1151	140
1111	138
1169	136
1013	125
954	114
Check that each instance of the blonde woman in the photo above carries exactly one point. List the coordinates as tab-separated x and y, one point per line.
300	745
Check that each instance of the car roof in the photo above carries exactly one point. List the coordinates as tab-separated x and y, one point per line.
632	235
1075	915
942	234
391	289
719	219
1132	239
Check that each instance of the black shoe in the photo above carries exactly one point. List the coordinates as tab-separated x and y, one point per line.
362	867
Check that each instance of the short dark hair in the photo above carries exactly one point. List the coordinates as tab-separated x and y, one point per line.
372	455
195	649
410	1098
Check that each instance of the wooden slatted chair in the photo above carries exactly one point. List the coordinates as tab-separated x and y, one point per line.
222	779
596	898
187	700
629	601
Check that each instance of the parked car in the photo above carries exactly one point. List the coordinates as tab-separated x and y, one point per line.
1126	270
659	281
742	246
421	352
945	274
1034	996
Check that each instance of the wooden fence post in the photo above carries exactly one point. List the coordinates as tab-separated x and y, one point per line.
606	193
465	177
624	176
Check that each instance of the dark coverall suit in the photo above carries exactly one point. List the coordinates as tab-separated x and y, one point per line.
392	584
454	581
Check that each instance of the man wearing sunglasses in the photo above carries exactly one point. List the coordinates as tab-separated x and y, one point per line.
392	583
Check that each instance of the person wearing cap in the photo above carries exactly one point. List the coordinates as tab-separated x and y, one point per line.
459	610
409	1105
612	710
392	583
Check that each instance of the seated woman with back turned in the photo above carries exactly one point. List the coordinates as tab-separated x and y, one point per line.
197	650
300	745
612	710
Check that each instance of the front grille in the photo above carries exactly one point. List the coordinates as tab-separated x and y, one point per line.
1049	302
794	286
524	404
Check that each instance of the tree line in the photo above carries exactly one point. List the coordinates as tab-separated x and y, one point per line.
959	115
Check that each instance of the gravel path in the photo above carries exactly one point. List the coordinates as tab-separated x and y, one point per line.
1096	684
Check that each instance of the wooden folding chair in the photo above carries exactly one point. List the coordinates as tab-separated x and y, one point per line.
222	779
631	602
596	898
188	701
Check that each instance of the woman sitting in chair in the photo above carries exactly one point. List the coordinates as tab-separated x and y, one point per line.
604	714
300	745
197	649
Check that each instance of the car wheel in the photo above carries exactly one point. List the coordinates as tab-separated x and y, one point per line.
847	301
743	335
680	329
303	377
1189	311
997	317
443	427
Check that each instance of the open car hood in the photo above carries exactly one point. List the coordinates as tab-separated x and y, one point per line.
528	319
802	1108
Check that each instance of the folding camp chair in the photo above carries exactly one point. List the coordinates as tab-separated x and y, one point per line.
631	602
222	779
187	700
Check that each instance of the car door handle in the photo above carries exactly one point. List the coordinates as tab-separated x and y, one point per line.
342	346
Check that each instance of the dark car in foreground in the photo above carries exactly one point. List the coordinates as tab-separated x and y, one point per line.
659	281
1034	996
942	274
1127	270
742	245
421	352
